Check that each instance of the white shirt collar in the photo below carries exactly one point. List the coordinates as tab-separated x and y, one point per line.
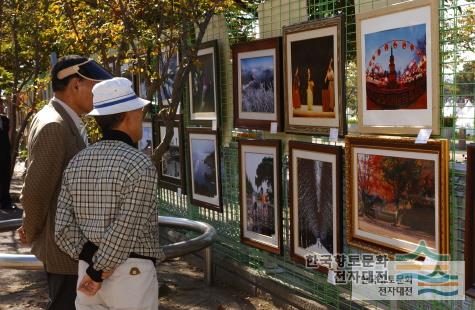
76	119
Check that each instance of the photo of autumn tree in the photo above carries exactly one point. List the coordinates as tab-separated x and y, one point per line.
396	197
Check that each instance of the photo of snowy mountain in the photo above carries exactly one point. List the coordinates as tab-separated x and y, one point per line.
257	84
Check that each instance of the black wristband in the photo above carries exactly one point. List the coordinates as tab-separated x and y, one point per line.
96	275
87	252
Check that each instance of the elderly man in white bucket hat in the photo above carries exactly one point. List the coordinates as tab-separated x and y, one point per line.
107	215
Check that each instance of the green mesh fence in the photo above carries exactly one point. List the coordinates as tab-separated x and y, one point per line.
457	92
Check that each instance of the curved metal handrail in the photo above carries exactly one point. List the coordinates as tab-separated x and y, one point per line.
9	225
20	262
208	235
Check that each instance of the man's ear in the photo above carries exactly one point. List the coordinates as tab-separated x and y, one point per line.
74	84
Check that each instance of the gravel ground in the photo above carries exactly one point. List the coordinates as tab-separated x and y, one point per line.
181	284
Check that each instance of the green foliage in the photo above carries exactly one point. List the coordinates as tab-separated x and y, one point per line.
465	81
93	131
6	78
463	84
323	9
351	80
241	21
23	154
24	43
143	34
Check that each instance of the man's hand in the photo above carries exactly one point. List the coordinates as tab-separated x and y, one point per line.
88	286
107	274
22	235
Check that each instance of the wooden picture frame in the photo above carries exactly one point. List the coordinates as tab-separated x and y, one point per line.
171	171
257	80
204	83
315	204
398	68
261	210
397	194
314	77
469	248
205	188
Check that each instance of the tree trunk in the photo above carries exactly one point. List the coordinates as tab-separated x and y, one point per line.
178	86
12	115
18	139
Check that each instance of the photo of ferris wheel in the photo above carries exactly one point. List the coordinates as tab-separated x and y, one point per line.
396	68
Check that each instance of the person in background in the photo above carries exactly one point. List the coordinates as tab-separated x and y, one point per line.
107	215
5	166
56	135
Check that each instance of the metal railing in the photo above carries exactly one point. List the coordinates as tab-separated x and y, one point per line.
203	241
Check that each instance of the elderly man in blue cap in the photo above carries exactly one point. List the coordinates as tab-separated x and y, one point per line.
107	215
56	135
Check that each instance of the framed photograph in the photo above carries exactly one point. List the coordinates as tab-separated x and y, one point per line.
469	251
314	77
204	83
315	200
142	86
171	171
398	68
146	143
205	168
397	194
260	180
257	80
168	66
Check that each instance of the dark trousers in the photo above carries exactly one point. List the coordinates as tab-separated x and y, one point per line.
5	176
62	291
5	198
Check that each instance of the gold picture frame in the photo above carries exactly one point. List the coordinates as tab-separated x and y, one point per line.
397	194
398	68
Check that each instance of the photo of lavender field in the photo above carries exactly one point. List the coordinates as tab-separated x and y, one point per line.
257	84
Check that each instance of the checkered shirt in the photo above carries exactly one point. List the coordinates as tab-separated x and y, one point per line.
109	197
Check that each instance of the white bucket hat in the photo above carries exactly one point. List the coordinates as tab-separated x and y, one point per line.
115	96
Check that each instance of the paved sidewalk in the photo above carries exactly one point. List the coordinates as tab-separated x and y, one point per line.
181	284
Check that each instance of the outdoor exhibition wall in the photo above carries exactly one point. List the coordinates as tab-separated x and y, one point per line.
275	261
